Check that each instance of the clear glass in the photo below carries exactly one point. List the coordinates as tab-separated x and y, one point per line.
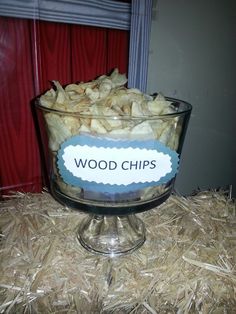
111	227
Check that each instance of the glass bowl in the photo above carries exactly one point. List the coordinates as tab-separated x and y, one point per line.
112	167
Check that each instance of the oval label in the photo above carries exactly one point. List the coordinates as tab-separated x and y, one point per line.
115	166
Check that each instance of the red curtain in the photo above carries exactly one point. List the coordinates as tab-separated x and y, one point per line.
33	53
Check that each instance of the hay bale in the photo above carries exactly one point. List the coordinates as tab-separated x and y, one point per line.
187	264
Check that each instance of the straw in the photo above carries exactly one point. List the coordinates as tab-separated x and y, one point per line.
187	264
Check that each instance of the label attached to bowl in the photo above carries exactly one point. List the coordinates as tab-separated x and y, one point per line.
115	166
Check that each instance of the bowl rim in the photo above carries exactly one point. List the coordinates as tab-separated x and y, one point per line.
187	108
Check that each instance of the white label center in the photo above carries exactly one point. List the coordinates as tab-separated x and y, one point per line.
120	166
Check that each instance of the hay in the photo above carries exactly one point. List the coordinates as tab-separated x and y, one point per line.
187	264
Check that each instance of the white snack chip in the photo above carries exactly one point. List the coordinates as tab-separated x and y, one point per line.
105	106
102	103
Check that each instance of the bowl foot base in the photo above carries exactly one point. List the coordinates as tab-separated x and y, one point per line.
111	235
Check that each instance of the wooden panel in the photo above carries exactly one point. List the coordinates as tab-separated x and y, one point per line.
117	50
88	51
19	158
52	53
31	54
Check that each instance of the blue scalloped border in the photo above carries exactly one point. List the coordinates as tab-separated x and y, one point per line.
82	140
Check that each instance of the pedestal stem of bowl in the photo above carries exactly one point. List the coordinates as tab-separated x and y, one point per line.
111	235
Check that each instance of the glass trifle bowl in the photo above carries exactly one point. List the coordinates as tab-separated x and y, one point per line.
113	152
